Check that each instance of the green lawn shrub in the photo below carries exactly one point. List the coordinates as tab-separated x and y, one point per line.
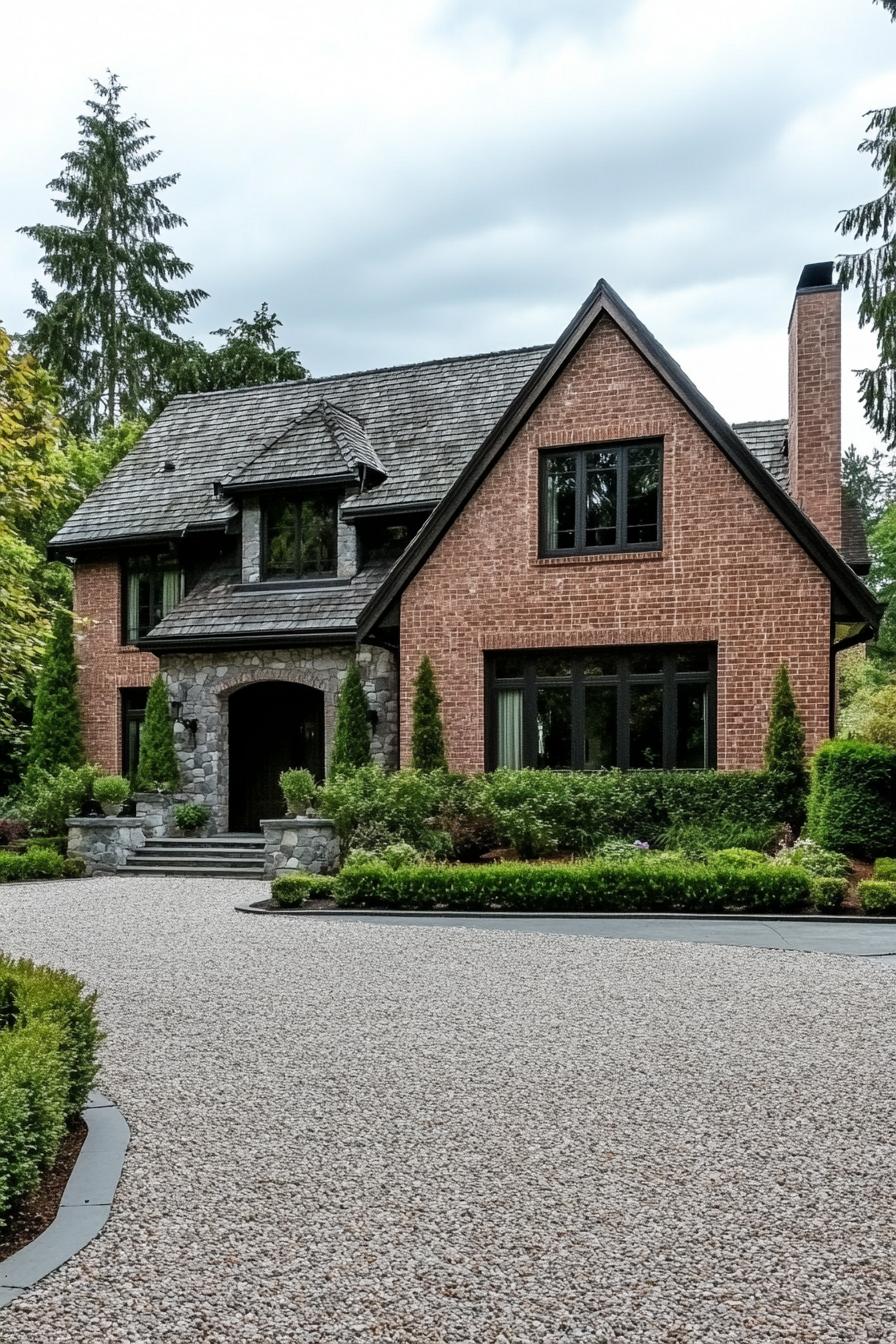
806	854
852	800
642	884
738	856
372	808
30	863
48	798
885	869
189	817
878	898
294	889
111	790
49	1037
73	866
828	893
299	790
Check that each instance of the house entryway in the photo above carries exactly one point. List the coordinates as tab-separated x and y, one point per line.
272	726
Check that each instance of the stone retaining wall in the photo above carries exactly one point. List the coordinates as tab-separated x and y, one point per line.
155	812
299	845
104	843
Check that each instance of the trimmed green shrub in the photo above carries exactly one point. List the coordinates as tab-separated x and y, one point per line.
48	1046
427	733
295	889
593	885
819	862
737	855
191	816
111	790
157	768
48	799
351	738
885	869
372	809
73	866
829	893
55	738
878	898
785	753
57	842
852	801
30	863
398	855
298	788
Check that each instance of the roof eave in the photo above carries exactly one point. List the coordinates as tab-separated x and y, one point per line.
246	640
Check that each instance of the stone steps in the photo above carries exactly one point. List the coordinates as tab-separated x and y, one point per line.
205	856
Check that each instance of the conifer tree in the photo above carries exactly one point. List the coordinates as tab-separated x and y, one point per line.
56	728
157	768
427	734
351	740
785	753
107	333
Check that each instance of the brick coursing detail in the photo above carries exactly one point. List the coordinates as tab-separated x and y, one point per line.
814	396
105	665
728	571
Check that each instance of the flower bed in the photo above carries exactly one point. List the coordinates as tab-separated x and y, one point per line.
48	1060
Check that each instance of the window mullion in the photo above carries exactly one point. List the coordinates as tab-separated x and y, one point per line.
623	715
621	495
577	716
530	708
580	500
670	714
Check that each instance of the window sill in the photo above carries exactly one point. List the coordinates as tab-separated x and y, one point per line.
291	585
600	558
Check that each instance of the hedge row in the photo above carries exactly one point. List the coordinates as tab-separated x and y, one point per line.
878	898
48	1060
852	800
639	884
541	812
18	866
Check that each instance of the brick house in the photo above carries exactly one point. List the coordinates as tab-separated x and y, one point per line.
603	571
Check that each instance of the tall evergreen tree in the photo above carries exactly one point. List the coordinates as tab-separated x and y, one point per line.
785	752
107	332
427	734
248	356
157	768
351	740
873	269
56	728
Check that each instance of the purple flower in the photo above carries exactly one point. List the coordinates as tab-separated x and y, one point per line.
640	844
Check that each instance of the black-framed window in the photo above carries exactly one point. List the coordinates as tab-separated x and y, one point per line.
133	712
300	537
601	497
591	709
153	585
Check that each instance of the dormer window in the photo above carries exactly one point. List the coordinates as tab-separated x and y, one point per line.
601	498
299	534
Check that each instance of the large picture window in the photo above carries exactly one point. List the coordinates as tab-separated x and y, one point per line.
300	538
639	709
153	586
605	498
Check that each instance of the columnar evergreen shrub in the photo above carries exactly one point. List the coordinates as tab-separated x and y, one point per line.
785	753
852	801
351	739
157	769
56	727
427	733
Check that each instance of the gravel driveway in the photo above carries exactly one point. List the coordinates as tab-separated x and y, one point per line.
351	1132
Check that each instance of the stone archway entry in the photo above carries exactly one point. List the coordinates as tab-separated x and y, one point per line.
273	726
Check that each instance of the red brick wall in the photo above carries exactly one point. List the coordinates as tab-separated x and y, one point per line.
727	572
105	665
814	436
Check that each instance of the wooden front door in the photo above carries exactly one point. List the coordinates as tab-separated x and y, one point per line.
273	726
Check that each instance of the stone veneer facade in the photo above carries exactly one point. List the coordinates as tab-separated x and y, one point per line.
203	684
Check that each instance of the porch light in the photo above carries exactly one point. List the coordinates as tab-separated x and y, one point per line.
176	708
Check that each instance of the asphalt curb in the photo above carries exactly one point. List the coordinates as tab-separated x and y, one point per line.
85	1205
261	908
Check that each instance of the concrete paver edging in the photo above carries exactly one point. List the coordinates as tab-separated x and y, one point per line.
85	1205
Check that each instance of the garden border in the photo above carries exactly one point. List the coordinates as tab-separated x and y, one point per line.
85	1205
261	908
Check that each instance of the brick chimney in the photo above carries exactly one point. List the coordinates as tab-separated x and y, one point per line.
814	399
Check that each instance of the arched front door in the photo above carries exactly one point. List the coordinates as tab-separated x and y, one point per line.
273	726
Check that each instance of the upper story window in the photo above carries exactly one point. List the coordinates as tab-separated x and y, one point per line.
153	585
605	498
300	537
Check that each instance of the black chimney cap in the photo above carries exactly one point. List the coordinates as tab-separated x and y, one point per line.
817	275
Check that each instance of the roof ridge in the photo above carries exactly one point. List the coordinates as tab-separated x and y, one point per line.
775	420
361	373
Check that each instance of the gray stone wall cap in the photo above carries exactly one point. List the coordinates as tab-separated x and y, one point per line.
153	797
119	823
290	823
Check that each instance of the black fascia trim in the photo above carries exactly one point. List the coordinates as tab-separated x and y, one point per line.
261	640
359	514
131	541
291	483
604	299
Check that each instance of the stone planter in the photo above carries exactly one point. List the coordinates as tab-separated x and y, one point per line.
299	845
111	809
104	843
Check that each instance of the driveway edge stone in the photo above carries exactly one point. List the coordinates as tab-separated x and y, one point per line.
261	908
85	1205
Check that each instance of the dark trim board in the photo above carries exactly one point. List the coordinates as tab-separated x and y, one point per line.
262	640
604	300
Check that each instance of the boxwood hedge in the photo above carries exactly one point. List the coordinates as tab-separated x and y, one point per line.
48	1060
29	863
852	799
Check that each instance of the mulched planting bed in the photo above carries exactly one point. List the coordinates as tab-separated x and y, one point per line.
37	1212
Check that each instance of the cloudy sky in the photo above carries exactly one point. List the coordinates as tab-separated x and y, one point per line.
415	178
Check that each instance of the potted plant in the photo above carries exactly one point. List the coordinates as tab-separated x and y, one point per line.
299	790
111	792
191	817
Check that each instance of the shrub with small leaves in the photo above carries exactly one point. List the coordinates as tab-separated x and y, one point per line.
878	898
806	854
427	733
191	816
74	866
885	869
829	893
111	790
785	753
291	890
48	799
351	737
299	790
157	768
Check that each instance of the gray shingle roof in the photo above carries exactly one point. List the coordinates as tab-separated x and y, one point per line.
767	441
423	422
325	441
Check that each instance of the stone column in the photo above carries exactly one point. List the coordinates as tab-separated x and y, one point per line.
299	845
104	843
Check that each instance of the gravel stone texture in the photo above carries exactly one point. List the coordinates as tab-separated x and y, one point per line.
352	1132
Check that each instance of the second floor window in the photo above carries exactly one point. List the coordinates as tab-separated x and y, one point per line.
300	538
603	498
153	586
